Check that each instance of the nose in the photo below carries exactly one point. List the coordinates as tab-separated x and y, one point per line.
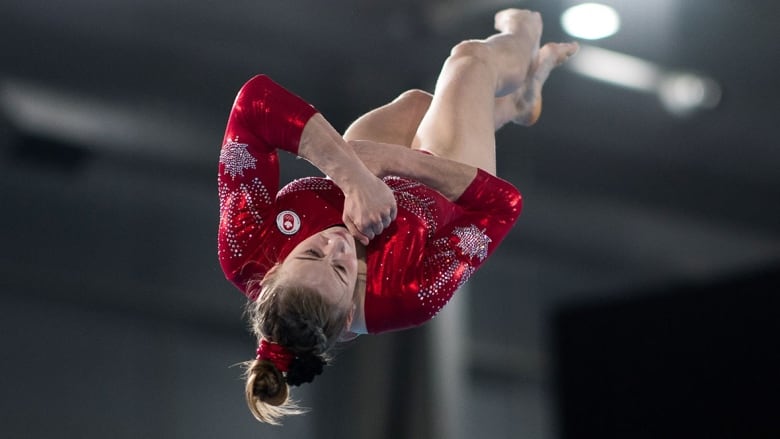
336	245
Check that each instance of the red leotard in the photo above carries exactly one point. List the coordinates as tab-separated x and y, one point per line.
413	267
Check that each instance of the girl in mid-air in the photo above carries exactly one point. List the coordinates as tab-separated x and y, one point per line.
409	211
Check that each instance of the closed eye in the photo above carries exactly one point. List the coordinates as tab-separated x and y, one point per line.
341	271
315	253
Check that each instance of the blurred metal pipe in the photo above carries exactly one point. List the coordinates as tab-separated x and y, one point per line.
449	339
98	124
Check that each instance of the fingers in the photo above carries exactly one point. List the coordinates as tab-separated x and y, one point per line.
390	217
373	229
369	208
364	234
354	231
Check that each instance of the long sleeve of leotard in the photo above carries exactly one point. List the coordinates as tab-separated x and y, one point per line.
265	117
485	213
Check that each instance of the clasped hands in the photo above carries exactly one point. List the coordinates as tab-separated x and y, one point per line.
369	205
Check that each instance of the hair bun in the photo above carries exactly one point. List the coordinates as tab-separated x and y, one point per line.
267	383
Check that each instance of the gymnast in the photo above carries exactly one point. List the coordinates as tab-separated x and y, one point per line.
410	208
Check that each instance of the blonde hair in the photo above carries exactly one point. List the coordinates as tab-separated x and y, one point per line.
300	319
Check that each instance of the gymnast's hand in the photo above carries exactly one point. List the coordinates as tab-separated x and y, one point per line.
369	206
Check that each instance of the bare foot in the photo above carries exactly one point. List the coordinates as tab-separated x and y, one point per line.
516	46
512	21
524	106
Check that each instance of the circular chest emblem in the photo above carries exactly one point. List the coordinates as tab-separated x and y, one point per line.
288	222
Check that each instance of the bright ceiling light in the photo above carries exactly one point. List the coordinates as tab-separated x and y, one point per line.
590	21
681	93
616	68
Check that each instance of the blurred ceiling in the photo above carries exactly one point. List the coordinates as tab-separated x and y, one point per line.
131	97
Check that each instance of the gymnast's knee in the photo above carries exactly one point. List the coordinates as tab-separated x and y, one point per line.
414	98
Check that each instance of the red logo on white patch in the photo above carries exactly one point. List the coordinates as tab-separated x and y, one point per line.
288	222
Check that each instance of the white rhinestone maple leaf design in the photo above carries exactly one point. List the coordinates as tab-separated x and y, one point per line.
236	158
473	241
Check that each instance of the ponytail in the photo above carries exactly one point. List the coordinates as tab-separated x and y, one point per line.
267	393
303	323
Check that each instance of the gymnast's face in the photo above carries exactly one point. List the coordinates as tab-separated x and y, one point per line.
326	262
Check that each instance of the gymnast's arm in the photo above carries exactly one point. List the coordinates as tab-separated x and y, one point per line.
489	208
263	104
448	177
369	204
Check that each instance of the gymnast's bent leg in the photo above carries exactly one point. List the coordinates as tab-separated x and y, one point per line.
398	121
395	123
463	116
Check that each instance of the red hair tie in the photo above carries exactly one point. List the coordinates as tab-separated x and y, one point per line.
277	354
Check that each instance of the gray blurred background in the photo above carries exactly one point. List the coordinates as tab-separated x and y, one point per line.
643	221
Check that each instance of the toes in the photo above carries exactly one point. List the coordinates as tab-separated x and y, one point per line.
557	53
552	55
